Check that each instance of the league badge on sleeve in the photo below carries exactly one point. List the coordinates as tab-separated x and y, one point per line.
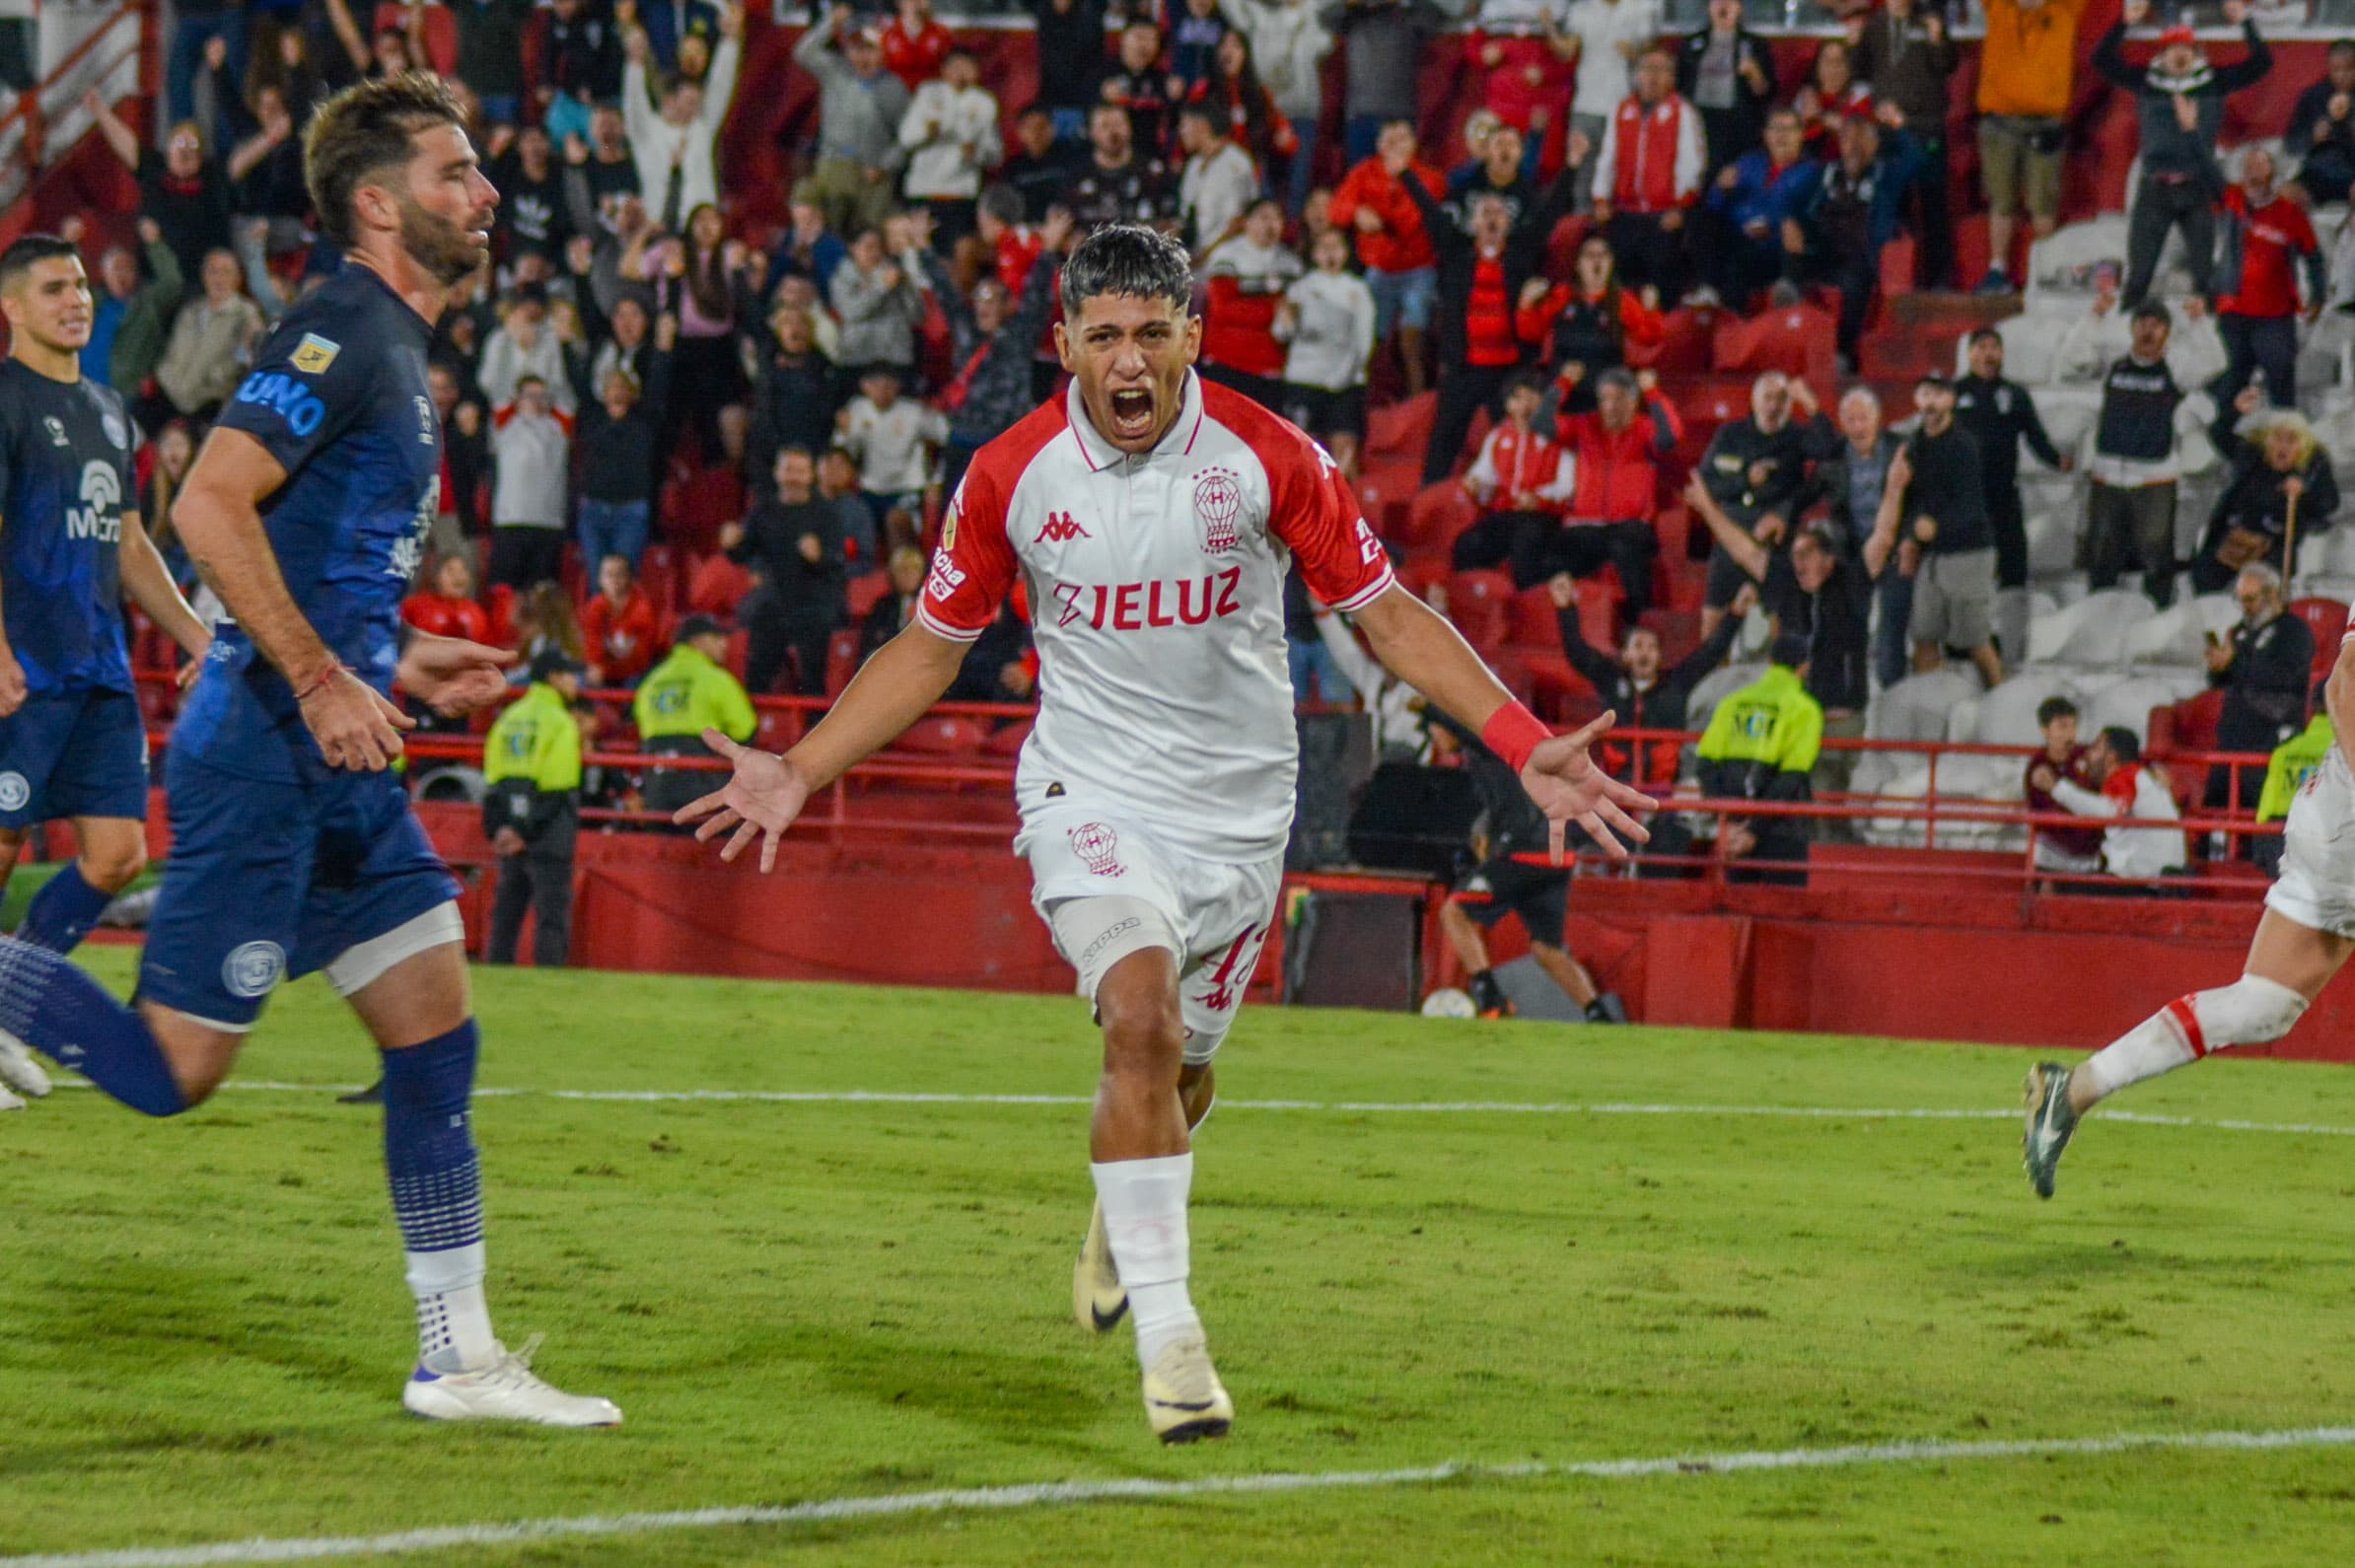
314	353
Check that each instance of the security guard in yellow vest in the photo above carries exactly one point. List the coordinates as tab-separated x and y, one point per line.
1761	745
2292	762
689	692
531	759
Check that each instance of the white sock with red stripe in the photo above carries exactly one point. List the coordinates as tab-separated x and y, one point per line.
2250	1011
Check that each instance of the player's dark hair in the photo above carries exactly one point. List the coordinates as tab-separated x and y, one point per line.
1790	648
1127	258
2153	311
21	257
2052	708
1525	380
1985	332
1002	202
2122	742
364	130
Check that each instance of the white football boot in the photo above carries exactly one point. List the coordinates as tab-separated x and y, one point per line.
1183	1399
505	1390
19	1071
1098	1299
8	1100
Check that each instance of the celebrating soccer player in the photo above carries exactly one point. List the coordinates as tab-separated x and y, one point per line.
1153	515
72	743
293	846
2304	938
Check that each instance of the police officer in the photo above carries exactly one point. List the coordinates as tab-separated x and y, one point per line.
689	692
1761	745
532	760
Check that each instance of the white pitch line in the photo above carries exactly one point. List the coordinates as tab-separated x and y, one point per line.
1430	1107
1142	1489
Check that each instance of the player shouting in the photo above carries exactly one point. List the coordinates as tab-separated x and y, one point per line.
72	742
1152	515
2302	940
293	847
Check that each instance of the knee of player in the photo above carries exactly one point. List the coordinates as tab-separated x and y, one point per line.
1142	1033
2251	1010
113	869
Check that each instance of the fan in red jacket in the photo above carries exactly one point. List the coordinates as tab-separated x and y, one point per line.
448	608
621	628
2266	238
1244	280
1585	327
1618	458
1371	204
1647	173
914	44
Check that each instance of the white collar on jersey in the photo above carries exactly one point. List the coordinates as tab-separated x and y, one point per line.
1101	454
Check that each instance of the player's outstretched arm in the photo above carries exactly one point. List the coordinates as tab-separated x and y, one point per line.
891	691
1421	648
219	517
148	582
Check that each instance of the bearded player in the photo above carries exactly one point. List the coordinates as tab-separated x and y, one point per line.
2303	939
1152	516
293	845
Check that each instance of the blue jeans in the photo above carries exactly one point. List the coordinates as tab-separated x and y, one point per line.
1406	298
1314	661
612	528
1303	167
189	34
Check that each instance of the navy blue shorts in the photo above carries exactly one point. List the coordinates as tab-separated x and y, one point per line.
271	880
73	754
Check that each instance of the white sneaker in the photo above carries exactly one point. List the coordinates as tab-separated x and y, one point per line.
1183	1399
1098	1299
9	1101
19	1071
504	1391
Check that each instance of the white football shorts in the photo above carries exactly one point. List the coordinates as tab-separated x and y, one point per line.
1106	889
2316	885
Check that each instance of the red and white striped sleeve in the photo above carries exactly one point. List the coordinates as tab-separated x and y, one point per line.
1315	514
973	566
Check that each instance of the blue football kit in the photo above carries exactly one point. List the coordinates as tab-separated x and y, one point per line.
77	747
281	864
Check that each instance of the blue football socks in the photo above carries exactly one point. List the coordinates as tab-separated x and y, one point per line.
64	910
52	1006
437	1194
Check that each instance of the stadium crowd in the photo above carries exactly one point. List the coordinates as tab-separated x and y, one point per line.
1507	308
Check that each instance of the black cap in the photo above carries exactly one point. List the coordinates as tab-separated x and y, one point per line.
554	661
695	627
1938	379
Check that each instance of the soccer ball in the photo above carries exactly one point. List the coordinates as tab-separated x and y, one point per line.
1448	1002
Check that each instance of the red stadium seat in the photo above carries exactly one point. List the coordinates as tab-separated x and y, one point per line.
1403	428
660	579
841	661
779	728
716	585
1800	340
1685	350
943	735
1480	604
1007	739
2326	618
864	590
1439	512
1533	622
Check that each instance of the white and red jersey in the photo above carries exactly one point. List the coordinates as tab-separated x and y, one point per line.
1157	597
1519	471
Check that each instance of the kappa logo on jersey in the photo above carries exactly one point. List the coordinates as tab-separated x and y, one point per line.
289	398
56	429
1060	528
1142	606
99	516
1218	502
314	353
1098	848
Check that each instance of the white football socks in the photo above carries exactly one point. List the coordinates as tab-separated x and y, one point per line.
1144	1219
453	1328
2250	1011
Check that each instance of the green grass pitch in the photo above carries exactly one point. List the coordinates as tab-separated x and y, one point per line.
203	1329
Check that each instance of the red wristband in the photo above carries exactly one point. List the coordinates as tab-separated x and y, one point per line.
319	685
1513	733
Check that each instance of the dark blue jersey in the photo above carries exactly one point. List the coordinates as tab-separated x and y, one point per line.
339	395
65	479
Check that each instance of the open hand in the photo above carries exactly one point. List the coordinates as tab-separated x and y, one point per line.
1568	787
764	797
453	676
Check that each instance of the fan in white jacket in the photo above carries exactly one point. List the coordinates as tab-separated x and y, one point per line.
1328	321
2130	789
950	133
